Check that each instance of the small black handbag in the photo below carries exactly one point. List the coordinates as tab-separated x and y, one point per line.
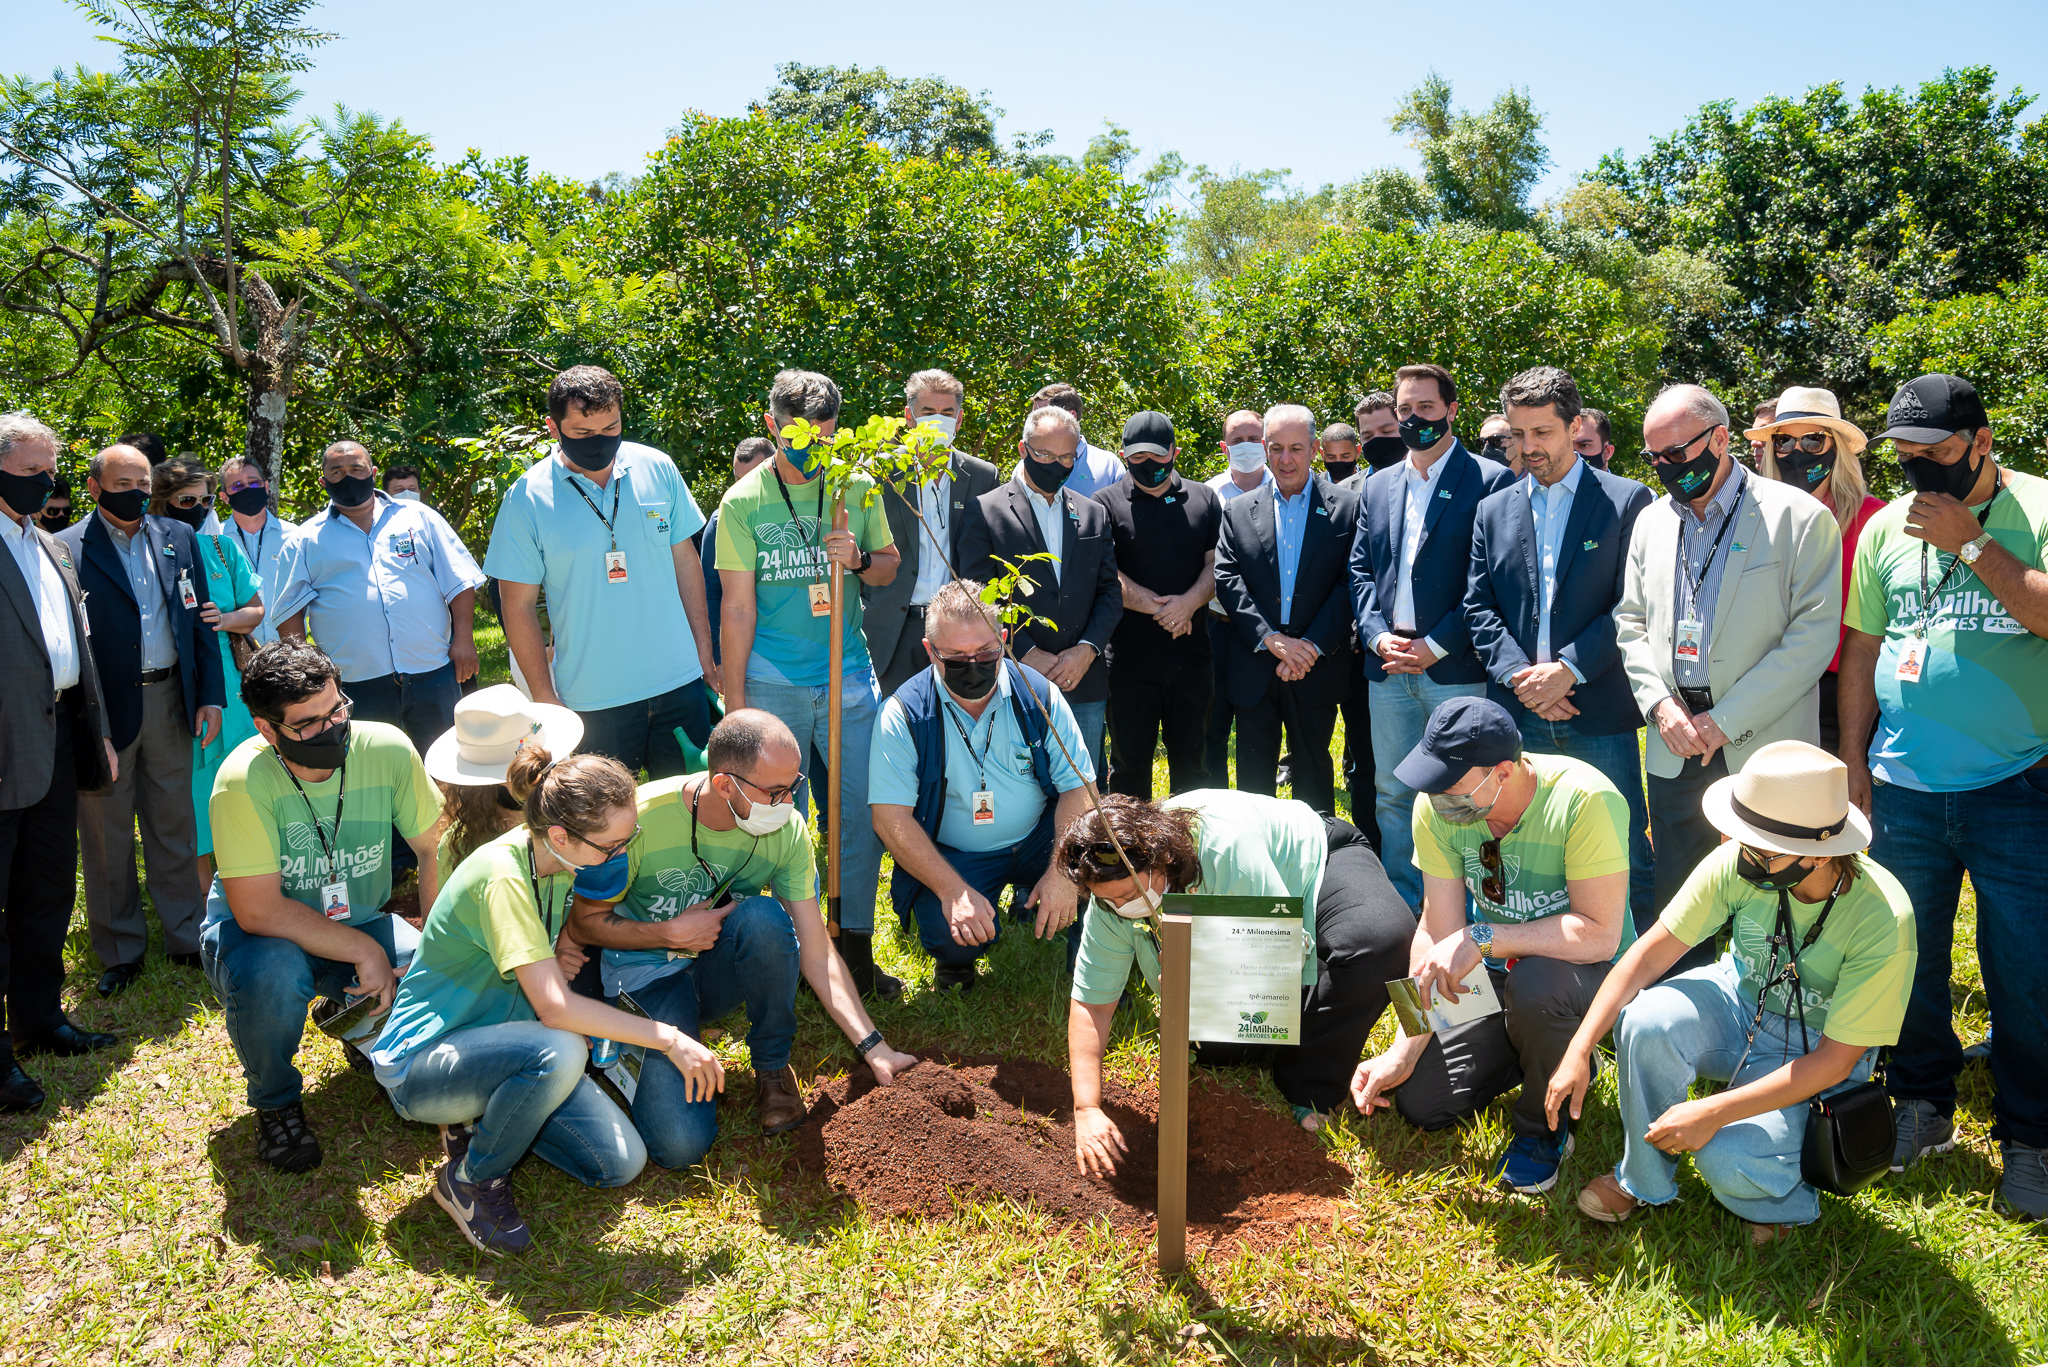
1848	1141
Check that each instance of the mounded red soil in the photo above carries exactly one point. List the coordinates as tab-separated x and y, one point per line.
982	1127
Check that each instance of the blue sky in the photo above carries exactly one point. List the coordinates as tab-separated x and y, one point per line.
588	88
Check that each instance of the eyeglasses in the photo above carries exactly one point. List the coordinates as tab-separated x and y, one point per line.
608	851
236	488
773	796
191	500
1678	452
1036	454
979	657
1813	443
301	730
1492	887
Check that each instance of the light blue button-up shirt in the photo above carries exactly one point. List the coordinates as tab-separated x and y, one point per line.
933	551
1552	508
1290	525
263	547
152	596
378	602
1048	512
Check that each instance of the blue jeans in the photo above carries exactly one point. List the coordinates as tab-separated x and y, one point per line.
265	984
642	735
1928	841
1400	705
804	709
1091	719
522	1084
753	962
1693	1026
988	872
1620	758
421	705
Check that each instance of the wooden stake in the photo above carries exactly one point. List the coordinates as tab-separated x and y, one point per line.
836	653
1175	933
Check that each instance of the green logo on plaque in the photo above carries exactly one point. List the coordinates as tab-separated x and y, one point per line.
1256	1018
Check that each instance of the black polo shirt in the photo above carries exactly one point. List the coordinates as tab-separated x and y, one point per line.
1161	543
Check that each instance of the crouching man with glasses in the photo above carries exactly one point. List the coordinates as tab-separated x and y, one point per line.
1541	842
302	815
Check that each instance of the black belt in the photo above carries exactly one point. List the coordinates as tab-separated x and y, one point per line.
1697	700
150	676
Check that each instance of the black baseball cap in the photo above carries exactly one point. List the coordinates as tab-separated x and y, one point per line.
1148	434
1932	409
1463	734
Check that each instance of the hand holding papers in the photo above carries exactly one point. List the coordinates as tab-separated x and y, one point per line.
1476	1000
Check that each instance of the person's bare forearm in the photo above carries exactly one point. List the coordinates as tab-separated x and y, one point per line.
690	588
1646	961
1804	1077
599	926
2022	589
520	606
462	619
1137	597
1087	1037
735	636
425	850
826	972
1856	695
293	628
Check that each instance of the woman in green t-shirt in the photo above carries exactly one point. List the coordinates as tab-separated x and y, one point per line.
485	1036
1795	851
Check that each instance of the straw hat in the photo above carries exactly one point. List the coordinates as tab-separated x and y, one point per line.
489	726
1790	798
1816	406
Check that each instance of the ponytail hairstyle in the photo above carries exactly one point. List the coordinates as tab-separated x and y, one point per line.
576	792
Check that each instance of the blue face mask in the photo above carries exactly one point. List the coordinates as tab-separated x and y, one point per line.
604	882
808	460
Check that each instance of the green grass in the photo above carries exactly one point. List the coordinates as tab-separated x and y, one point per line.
139	1227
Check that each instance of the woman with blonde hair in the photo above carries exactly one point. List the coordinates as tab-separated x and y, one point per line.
1811	446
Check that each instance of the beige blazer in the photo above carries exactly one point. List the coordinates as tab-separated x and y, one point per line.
1777	620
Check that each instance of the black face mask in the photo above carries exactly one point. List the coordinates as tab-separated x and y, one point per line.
1151	473
249	501
591	453
1381	452
1688	479
350	491
1807	472
1493	448
1932	477
127	505
324	751
1754	872
1419	433
191	517
1046	476
970	679
1340	470
27	494
55	519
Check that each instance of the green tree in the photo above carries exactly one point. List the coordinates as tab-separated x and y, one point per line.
922	116
1478	168
1237	217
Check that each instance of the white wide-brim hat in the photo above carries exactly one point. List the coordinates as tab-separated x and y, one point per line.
1819	407
1790	798
490	725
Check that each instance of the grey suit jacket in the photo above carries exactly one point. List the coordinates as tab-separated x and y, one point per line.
1777	620
28	689
885	609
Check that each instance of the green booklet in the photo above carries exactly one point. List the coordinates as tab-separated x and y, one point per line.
1244	972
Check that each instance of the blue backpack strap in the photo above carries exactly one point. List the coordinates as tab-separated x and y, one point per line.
1031	721
918	697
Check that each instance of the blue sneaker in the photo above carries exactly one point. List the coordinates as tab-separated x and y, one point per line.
1529	1164
483	1211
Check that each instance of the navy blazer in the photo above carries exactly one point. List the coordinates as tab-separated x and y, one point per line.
1087	601
1442	560
117	624
1505	595
1248	587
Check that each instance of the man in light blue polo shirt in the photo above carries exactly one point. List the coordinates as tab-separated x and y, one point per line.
604	525
388	590
971	785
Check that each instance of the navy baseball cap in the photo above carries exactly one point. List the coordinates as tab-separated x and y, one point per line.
1463	734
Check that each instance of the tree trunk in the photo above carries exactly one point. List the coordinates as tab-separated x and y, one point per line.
268	395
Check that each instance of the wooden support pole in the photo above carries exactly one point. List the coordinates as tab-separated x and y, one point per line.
836	653
1176	933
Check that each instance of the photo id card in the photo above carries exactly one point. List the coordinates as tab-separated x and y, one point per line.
185	593
334	900
821	600
1688	641
615	567
985	808
1911	660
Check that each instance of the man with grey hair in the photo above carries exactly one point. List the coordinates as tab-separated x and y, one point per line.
927	529
1078	591
1340	451
53	733
780	544
1280	573
1731	608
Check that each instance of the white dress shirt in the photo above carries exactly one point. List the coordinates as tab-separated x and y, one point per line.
1551	508
934	501
53	604
1420	489
1047	511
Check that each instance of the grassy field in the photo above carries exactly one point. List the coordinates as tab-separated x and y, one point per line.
140	1228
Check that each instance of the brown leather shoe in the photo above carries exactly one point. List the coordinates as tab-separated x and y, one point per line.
1605	1200
1760	1235
777	1102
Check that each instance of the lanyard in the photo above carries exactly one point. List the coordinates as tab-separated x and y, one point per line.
1927	596
610	523
540	907
717	887
340	800
1781	940
797	522
1693	581
242	539
981	762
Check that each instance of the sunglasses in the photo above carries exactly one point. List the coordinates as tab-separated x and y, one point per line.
980	657
1037	454
236	486
1813	443
1678	452
191	500
1492	887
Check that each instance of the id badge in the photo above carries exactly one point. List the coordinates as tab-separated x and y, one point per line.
1911	660
334	900
615	567
821	600
185	593
1687	647
985	808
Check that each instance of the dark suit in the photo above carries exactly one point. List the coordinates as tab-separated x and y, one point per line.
50	746
1248	586
152	727
895	630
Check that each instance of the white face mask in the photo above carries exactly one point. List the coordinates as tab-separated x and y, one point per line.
1139	907
945	422
765	818
1247	456
409	495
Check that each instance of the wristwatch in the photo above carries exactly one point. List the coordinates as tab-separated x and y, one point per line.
870	1044
867	558
1972	549
1482	935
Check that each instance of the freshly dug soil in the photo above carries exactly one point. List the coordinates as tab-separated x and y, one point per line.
963	1128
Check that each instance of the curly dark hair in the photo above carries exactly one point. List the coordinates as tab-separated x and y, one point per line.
282	673
1156	838
476	816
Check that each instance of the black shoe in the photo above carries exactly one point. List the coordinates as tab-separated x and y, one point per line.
18	1091
285	1141
858	951
119	978
66	1040
954	975
190	961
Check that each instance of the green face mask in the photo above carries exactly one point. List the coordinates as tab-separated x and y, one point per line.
1462	809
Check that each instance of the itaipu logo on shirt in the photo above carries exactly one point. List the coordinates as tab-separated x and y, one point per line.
786	552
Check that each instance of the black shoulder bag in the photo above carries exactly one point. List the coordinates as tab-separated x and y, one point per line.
1849	1134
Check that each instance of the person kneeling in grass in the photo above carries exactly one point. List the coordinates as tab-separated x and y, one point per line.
685	930
1235	844
486	1037
1794	853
